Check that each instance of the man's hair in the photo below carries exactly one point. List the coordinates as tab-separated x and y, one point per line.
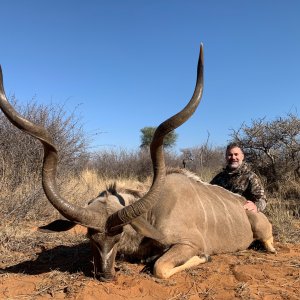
234	145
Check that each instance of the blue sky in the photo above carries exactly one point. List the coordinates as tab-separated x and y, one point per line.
128	64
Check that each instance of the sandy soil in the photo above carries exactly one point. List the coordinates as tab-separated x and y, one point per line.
65	272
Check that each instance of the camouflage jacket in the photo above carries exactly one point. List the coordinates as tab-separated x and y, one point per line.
244	182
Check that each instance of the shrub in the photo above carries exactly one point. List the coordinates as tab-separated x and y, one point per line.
21	154
273	149
127	164
204	160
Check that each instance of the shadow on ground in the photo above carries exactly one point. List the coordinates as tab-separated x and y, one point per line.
72	259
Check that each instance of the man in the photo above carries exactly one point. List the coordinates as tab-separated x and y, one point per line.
238	178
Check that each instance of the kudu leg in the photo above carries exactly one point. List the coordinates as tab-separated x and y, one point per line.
262	230
268	244
176	259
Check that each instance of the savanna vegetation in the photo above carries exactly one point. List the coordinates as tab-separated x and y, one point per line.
272	149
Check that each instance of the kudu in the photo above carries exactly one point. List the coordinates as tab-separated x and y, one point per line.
179	222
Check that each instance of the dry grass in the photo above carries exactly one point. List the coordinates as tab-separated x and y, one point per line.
284	215
96	183
27	200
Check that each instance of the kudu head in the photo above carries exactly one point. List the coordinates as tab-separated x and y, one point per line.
105	216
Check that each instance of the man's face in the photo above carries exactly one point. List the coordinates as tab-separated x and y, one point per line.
234	158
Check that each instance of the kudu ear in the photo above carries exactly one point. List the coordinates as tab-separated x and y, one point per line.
57	226
143	227
139	224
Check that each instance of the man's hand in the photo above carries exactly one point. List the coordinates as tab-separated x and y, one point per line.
250	206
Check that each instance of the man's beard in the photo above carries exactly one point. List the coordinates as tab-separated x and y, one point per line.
234	165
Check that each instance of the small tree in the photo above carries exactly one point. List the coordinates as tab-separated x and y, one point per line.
147	135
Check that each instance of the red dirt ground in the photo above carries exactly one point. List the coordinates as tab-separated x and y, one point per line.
250	274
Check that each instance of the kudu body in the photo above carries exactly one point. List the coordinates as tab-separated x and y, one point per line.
180	221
